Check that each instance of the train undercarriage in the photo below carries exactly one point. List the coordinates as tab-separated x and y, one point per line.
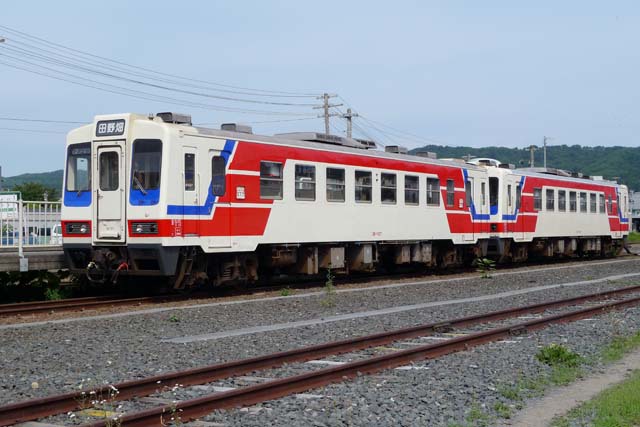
187	267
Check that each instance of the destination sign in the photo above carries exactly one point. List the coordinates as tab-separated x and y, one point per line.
110	127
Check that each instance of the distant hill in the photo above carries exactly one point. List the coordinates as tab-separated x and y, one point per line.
48	179
610	162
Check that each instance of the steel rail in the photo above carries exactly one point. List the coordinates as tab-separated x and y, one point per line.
38	408
195	408
70	304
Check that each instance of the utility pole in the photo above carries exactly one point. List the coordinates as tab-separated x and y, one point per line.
349	116
544	150
532	149
325	106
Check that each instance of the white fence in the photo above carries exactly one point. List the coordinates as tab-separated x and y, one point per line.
30	224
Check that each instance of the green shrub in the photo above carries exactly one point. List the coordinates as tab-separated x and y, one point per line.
555	355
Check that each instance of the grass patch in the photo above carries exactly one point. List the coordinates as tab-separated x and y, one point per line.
619	347
502	409
634	237
617	406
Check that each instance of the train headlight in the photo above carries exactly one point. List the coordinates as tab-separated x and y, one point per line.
144	228
77	228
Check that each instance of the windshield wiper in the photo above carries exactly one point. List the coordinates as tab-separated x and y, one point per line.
137	182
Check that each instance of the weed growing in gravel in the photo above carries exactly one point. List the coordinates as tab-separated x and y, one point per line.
52	294
100	403
478	417
285	292
619	347
484	266
503	410
174	319
556	354
329	290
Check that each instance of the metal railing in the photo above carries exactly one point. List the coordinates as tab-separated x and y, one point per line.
30	224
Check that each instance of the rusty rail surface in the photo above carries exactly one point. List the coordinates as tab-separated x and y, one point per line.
24	308
38	408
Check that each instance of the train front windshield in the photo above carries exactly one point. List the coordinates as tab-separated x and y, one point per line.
79	167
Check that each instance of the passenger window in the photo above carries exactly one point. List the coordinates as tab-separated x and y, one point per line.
218	179
147	159
411	190
305	182
451	192
109	171
583	202
388	188
335	185
189	172
592	203
79	167
271	180
562	200
610	205
551	199
518	196
433	192
363	187
602	203
572	201
537	199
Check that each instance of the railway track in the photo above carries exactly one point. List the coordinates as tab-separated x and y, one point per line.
194	408
81	304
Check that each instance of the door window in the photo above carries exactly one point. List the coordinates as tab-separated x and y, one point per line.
109	171
189	172
218	178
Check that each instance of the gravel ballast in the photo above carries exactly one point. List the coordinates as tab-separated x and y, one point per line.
58	357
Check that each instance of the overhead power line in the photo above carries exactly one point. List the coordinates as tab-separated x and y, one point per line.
31	130
253	91
18	119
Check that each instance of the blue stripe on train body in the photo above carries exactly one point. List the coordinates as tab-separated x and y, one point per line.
207	208
77	199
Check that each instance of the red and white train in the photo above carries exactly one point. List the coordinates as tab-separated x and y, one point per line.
153	195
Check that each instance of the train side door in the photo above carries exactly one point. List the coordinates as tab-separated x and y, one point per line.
109	209
469	201
220	236
190	193
482	210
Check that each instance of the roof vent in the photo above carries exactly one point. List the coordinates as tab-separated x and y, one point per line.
427	154
397	149
176	118
236	127
326	138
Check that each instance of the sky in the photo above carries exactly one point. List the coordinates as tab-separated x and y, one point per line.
466	73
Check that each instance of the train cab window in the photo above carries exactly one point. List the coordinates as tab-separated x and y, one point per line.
593	204
305	182
363	187
537	199
335	185
388	188
109	171
583	202
433	192
572	201
218	178
562	200
189	172
147	159
494	187
271	180
551	200
411	190
601	204
451	192
79	167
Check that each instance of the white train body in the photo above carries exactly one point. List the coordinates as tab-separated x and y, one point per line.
155	195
